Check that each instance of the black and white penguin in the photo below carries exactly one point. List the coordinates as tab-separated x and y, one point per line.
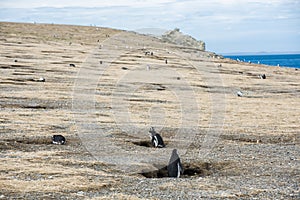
239	94
156	139
262	76
174	167
41	79
58	139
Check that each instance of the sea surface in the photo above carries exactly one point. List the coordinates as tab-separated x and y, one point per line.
282	60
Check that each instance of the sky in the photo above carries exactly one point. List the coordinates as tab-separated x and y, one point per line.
226	26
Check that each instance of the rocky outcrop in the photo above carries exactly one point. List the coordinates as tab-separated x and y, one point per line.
176	37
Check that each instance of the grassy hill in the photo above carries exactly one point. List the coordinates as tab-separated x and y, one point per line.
103	89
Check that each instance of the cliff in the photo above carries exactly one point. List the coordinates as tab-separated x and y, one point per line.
177	37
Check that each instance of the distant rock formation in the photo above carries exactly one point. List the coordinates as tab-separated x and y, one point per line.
175	36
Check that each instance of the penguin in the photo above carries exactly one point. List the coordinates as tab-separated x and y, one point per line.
174	167
262	76
239	94
58	139
156	139
41	79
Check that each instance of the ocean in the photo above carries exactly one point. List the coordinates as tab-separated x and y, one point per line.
282	60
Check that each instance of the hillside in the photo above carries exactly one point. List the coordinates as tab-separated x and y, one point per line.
103	89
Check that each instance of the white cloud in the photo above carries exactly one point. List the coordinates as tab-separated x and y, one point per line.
79	3
224	21
139	3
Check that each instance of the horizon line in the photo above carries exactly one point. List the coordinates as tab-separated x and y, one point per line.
260	53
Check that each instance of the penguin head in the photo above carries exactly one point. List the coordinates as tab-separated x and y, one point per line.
152	131
174	152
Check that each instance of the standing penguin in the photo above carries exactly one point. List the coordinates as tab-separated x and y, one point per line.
262	76
174	167
156	139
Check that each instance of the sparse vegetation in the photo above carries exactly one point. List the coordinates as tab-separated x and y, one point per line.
255	156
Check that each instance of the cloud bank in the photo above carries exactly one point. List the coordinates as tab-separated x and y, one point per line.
225	25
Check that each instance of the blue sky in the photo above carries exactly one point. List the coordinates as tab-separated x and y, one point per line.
224	25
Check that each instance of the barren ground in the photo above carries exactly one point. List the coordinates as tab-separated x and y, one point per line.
231	147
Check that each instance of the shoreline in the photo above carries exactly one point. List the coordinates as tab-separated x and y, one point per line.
282	60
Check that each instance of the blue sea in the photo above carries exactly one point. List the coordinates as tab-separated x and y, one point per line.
282	60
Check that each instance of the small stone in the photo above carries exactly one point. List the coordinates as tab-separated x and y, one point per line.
80	193
42	79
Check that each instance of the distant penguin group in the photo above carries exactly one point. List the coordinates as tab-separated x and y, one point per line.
174	167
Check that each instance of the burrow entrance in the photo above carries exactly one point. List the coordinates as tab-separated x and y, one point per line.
191	169
145	143
195	169
30	140
30	143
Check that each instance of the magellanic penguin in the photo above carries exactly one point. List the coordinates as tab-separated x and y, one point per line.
156	139
262	76
174	167
58	139
239	94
